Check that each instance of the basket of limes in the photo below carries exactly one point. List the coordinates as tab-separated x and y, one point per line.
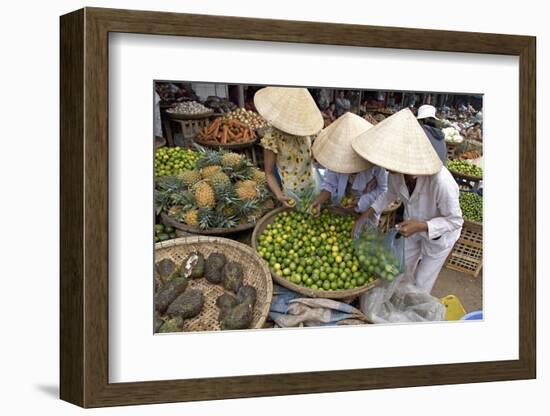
312	255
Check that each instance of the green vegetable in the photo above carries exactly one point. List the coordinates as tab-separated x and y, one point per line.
471	205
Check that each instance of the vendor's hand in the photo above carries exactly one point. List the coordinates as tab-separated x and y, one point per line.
410	227
371	186
285	200
315	207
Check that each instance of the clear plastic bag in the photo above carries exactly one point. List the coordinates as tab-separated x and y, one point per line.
380	254
401	301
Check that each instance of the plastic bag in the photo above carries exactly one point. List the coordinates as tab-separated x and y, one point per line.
304	198
400	301
380	254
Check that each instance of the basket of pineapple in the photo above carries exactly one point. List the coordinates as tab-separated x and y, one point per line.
224	194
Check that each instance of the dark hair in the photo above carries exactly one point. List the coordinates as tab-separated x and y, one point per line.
477	123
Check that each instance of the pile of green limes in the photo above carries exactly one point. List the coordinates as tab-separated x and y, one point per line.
471	205
465	168
316	252
170	161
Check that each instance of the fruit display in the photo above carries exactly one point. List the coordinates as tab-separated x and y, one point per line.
452	135
189	108
248	117
224	191
170	161
227	131
376	255
175	301
471	205
464	168
314	252
164	232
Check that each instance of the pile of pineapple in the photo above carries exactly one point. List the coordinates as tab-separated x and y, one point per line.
223	191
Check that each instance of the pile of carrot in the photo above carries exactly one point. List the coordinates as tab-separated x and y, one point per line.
227	132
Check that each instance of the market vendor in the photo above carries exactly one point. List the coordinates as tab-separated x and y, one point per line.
348	177
294	118
428	120
432	217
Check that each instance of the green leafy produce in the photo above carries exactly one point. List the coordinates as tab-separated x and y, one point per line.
170	161
169	292
172	325
166	268
240	317
232	276
187	305
465	168
193	265
213	268
471	205
313	251
225	304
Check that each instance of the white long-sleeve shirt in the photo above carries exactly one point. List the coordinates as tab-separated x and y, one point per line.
336	184
434	200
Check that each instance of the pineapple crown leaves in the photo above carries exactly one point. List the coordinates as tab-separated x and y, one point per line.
162	201
185	199
169	183
209	157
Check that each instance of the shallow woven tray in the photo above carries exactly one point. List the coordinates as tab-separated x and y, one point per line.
312	293
181	116
209	231
216	145
256	274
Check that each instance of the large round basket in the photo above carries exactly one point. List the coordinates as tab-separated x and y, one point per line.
234	146
256	274
312	293
466	177
209	231
183	116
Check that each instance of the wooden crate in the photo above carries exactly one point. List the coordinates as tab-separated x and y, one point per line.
451	150
467	254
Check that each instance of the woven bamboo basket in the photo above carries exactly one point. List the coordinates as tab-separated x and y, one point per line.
466	177
311	293
183	116
229	146
467	253
209	231
256	274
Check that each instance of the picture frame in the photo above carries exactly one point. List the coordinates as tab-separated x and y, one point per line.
84	170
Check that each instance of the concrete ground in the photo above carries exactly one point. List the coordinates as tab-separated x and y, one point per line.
467	289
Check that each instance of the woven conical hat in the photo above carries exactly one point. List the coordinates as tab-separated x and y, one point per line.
291	110
399	144
332	147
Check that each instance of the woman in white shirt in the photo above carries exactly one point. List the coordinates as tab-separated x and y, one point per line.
347	174
432	216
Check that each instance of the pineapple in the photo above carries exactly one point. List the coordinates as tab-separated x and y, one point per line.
189	177
175	211
204	195
219	180
208	171
259	176
246	190
191	217
231	159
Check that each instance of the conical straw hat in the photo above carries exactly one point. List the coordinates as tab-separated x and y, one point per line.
332	147
399	144
291	110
